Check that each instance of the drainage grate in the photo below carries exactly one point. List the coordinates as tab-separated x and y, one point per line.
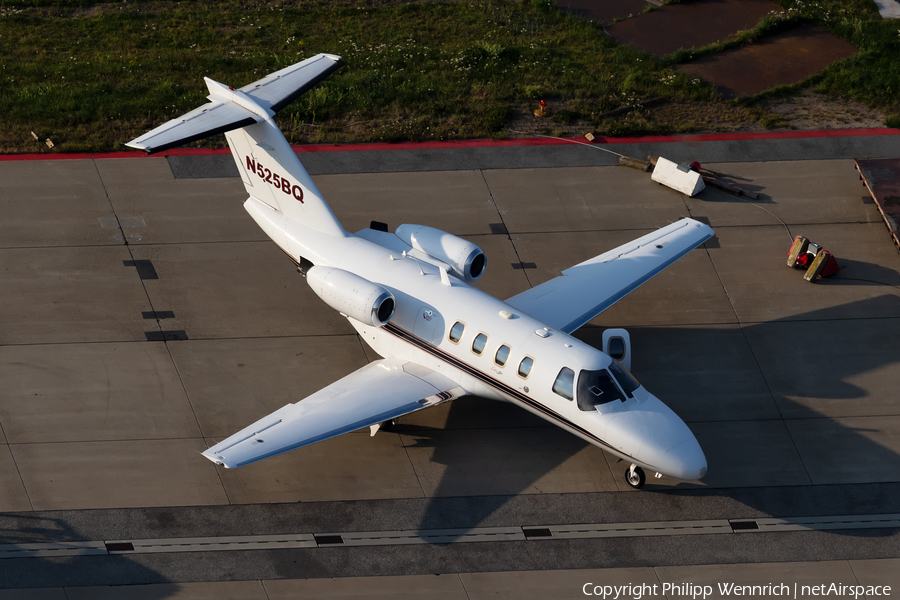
119	547
535	533
743	525
328	539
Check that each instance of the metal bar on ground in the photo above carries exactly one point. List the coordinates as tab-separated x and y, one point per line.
656	528
429	536
209	544
882	177
449	536
49	550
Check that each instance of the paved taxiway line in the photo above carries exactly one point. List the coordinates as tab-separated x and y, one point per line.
449	536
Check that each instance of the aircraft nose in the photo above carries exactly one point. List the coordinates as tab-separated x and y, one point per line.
686	460
667	443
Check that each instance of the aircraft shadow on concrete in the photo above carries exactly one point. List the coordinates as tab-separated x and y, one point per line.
855	272
451	508
67	571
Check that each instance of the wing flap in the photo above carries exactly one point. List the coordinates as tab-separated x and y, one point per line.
380	391
585	290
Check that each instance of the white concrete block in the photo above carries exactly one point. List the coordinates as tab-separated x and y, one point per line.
678	177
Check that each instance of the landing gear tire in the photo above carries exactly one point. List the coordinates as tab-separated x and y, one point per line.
634	476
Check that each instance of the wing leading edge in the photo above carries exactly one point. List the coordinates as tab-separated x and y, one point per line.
380	391
587	289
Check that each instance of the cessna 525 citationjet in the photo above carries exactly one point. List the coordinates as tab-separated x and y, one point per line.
407	293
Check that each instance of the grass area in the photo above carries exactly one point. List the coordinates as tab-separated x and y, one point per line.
872	76
91	76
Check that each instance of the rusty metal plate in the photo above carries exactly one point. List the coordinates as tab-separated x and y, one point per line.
882	177
781	59
690	25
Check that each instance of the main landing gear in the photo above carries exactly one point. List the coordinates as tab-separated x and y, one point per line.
634	476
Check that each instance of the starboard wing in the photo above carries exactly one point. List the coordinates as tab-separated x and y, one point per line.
380	391
587	289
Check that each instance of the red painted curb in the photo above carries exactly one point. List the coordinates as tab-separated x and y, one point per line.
538	141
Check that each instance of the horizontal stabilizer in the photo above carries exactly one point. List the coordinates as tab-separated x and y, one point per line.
380	391
230	109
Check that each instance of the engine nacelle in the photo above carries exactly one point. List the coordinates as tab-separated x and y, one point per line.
466	260
352	295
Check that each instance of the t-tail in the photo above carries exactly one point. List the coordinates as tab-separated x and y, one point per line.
270	169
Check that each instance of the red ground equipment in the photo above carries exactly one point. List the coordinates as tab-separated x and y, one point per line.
817	261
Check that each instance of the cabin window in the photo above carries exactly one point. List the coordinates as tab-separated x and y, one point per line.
456	332
626	380
565	383
502	355
595	388
525	367
479	343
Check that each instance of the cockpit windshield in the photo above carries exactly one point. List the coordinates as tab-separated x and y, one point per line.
626	380
595	388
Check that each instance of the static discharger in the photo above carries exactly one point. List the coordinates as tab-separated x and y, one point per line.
817	261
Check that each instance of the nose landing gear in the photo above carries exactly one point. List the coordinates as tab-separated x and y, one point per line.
634	476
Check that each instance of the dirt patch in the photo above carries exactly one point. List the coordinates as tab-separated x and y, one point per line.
809	110
782	59
690	25
806	110
704	117
524	123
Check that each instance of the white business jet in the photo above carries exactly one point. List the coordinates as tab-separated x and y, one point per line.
407	293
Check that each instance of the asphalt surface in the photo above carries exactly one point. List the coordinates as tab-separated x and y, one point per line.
573	154
788	386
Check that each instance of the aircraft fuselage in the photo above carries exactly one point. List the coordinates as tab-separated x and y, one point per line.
637	427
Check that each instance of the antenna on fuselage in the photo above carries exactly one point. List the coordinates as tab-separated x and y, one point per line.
407	255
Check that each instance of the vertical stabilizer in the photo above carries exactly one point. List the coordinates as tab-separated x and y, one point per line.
270	169
273	174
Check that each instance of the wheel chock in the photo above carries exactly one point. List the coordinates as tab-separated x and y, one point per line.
823	265
797	248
